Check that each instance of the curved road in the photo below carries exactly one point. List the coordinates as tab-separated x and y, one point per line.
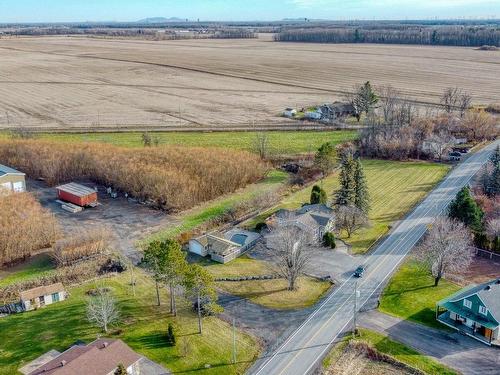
301	352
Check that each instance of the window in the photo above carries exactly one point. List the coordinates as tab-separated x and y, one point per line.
483	310
467	303
55	297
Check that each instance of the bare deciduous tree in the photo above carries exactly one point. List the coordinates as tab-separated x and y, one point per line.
350	219
261	145
464	103
288	247
450	98
446	248
102	310
493	227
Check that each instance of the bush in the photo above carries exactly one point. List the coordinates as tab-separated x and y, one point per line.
24	227
84	244
329	240
260	226
113	265
171	335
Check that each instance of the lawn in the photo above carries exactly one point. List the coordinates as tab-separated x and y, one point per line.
242	266
142	325
395	188
36	266
398	351
193	218
280	142
274	295
268	293
411	295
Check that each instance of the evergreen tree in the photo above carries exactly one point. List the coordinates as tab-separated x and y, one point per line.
366	98
318	195
121	370
361	195
325	158
466	210
495	158
346	193
494	183
171	335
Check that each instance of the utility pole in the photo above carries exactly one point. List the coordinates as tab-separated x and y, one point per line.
356	295
234	340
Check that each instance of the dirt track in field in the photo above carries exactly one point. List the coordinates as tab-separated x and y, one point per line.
63	82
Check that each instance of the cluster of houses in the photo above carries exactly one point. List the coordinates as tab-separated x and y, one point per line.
325	113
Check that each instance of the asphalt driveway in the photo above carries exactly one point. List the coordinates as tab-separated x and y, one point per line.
455	350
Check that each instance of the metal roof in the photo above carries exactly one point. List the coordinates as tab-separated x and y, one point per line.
76	189
8	170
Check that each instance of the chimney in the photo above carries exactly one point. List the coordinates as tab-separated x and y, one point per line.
105	344
487	287
63	362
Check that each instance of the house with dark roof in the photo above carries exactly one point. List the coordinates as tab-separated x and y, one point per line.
100	357
315	219
474	311
12	180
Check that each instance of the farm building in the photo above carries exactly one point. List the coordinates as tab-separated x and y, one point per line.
77	194
42	296
290	112
12	180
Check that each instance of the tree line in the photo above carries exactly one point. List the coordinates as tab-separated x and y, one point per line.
467	36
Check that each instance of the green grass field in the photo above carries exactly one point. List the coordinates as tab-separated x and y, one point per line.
36	266
395	187
142	326
394	349
280	142
189	220
411	295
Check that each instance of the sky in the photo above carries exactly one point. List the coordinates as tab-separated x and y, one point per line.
240	10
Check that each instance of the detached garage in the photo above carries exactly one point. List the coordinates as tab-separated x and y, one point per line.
12	180
77	194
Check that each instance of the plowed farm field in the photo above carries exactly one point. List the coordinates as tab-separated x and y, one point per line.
84	83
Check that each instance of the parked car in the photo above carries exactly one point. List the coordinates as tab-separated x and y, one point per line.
359	271
456	156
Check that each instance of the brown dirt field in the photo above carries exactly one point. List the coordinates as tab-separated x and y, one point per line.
64	82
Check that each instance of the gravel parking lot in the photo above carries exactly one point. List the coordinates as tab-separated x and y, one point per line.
129	221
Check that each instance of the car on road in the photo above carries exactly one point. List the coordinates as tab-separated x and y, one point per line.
359	271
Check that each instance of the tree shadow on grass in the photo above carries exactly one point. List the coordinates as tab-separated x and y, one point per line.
408	290
154	341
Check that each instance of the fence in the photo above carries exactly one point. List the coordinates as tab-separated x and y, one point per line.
487	255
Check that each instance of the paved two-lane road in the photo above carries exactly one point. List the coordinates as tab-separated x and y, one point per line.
300	353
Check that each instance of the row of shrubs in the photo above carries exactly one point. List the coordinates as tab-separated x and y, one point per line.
245	278
171	177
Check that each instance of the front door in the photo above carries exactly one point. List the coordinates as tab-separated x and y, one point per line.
42	300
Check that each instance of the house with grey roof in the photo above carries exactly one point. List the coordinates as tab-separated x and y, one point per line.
474	311
315	219
12	180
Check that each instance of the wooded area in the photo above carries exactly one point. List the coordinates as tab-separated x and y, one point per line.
467	36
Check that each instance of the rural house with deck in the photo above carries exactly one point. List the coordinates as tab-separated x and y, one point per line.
474	311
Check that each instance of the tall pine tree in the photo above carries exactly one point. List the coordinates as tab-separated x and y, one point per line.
347	191
466	210
361	195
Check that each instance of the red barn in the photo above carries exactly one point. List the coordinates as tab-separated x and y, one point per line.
77	194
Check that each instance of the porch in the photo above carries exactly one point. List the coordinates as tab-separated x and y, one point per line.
476	331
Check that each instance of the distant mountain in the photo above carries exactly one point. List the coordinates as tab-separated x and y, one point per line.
161	20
